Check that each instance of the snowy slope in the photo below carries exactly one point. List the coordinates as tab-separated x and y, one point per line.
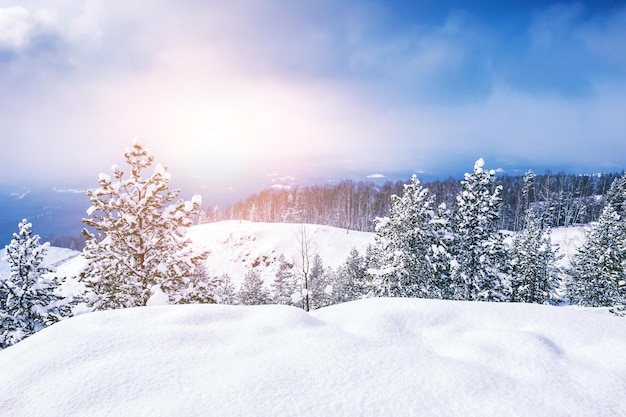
236	246
376	357
55	257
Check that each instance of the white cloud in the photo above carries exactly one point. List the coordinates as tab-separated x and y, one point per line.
16	28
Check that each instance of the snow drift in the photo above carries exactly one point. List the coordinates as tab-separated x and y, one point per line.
392	357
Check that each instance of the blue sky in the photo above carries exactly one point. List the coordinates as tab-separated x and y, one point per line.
224	90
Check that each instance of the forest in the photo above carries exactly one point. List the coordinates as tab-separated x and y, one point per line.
558	199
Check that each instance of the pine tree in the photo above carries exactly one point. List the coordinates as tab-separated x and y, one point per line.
534	273
479	264
252	290
139	243
597	274
409	246
319	284
284	284
616	196
225	292
349	278
28	298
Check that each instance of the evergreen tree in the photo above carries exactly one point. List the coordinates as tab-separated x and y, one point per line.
534	273
319	284
597	273
479	264
28	301
409	245
348	284
139	243
616	196
284	282
225	292
252	290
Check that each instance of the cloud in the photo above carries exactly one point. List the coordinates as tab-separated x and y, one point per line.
16	28
217	88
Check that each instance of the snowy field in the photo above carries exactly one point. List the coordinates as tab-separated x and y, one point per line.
376	357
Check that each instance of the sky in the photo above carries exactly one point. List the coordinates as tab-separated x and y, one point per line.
231	90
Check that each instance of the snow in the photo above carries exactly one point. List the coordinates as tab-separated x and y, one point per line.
392	357
237	246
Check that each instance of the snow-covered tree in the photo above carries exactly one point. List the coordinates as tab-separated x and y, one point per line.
534	270
479	264
28	298
284	283
139	244
597	273
225	292
410	252
253	290
349	282
320	284
616	196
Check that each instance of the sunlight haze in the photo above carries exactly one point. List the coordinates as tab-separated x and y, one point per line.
247	88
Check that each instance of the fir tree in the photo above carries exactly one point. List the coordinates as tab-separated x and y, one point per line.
252	290
139	243
28	301
616	196
409	247
320	286
597	273
349	278
225	292
534	274
284	284
479	264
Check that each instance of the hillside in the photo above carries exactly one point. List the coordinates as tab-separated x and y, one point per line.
236	246
392	357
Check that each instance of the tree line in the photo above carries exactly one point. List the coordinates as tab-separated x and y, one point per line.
558	199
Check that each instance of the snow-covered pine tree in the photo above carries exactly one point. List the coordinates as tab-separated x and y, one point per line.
479	264
252	291
140	241
616	196
348	284
534	270
225	292
319	284
597	273
409	245
28	298
284	283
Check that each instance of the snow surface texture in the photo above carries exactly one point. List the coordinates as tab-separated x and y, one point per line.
375	357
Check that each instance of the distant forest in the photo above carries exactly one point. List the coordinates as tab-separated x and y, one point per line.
558	199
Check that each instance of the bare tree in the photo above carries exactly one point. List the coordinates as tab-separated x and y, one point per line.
307	249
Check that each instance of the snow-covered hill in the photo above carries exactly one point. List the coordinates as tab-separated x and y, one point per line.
375	357
236	246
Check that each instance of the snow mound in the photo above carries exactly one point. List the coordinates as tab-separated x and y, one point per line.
392	357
